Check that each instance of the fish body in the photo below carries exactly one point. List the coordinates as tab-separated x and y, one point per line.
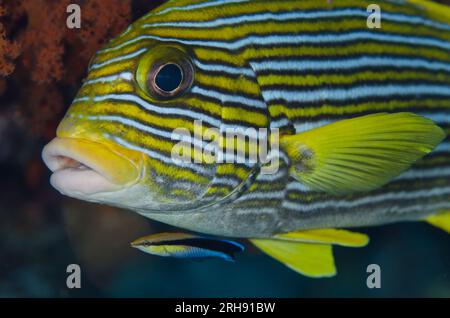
300	68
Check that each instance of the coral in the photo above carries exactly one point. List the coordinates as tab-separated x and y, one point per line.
42	61
9	50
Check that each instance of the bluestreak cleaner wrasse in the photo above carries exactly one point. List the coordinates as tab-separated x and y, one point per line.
357	117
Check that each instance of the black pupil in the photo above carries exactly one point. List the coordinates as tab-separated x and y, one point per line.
169	78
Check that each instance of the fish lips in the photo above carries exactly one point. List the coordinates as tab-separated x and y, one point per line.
84	168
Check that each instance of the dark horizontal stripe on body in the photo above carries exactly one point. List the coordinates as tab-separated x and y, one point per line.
434	65
337	103
300	88
434	160
294	27
394	186
391	204
340	116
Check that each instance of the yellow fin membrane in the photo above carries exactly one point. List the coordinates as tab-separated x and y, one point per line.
313	260
328	236
360	154
440	220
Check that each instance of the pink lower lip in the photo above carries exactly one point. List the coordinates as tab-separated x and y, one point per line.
72	181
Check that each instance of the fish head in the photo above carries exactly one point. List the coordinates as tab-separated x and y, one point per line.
121	139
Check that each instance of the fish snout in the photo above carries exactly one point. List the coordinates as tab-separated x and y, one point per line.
84	167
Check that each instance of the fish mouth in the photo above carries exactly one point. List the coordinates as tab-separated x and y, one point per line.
81	167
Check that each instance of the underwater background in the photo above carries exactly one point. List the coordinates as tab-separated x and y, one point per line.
42	64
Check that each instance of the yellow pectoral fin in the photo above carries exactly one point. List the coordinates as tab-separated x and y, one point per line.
313	260
360	154
440	220
327	236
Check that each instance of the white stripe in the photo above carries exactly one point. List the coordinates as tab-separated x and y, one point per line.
259	211
205	145
227	181
201	5
273	195
297	186
308	125
442	147
424	207
337	94
286	16
127	76
438	118
216	123
303	125
81	100
224	98
270	177
118	59
279	123
224	68
199	168
336	204
439	172
161	110
269	40
351	63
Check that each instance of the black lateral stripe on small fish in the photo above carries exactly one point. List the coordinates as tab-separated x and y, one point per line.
188	246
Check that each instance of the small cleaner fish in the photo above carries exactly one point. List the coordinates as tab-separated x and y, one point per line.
356	119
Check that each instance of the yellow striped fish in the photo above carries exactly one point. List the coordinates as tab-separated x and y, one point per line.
356	119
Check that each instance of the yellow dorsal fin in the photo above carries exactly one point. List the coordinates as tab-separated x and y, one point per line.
313	260
329	236
360	154
440	220
437	11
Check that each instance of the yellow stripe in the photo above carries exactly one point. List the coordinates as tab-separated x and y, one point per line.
132	111
393	105
315	80
232	169
112	69
176	172
273	6
212	55
107	88
230	33
245	116
243	85
105	56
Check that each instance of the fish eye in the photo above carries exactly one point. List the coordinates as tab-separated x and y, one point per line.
165	73
170	79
